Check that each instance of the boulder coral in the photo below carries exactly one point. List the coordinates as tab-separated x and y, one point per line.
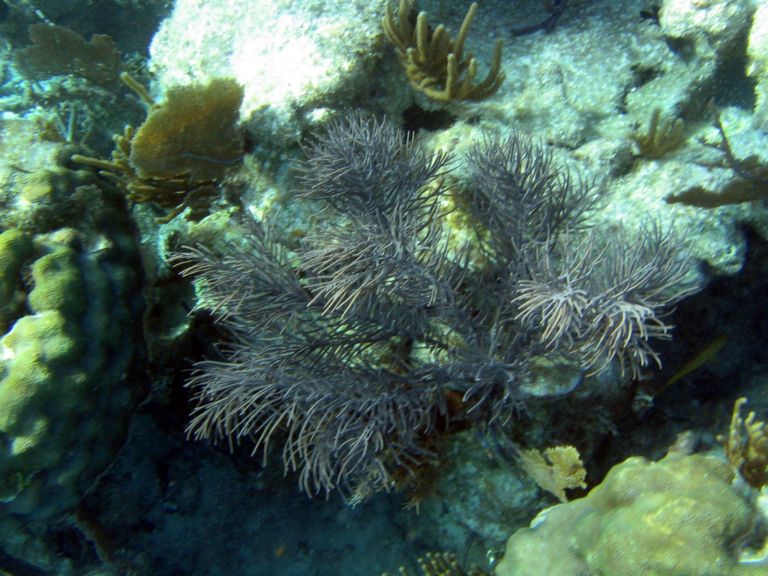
680	515
71	317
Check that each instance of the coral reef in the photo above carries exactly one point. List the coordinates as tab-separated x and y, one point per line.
404	320
679	515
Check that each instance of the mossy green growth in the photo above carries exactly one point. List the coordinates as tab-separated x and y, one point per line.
35	391
15	248
64	401
29	397
679	516
40	374
58	284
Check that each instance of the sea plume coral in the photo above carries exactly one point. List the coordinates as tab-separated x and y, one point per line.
318	341
386	189
297	374
522	196
356	348
605	299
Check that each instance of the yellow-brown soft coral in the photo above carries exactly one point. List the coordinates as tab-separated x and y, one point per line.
434	62
746	446
662	135
177	156
60	51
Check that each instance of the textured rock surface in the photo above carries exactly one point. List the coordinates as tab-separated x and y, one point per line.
709	28
288	55
757	51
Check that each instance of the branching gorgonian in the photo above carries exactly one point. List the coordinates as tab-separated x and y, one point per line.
373	335
605	298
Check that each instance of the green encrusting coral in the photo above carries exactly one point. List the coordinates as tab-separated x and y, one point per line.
15	248
71	320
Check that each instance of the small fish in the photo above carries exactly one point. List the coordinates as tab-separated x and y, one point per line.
226	162
704	356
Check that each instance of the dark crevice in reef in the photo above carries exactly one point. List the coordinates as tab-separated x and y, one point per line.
416	118
726	324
